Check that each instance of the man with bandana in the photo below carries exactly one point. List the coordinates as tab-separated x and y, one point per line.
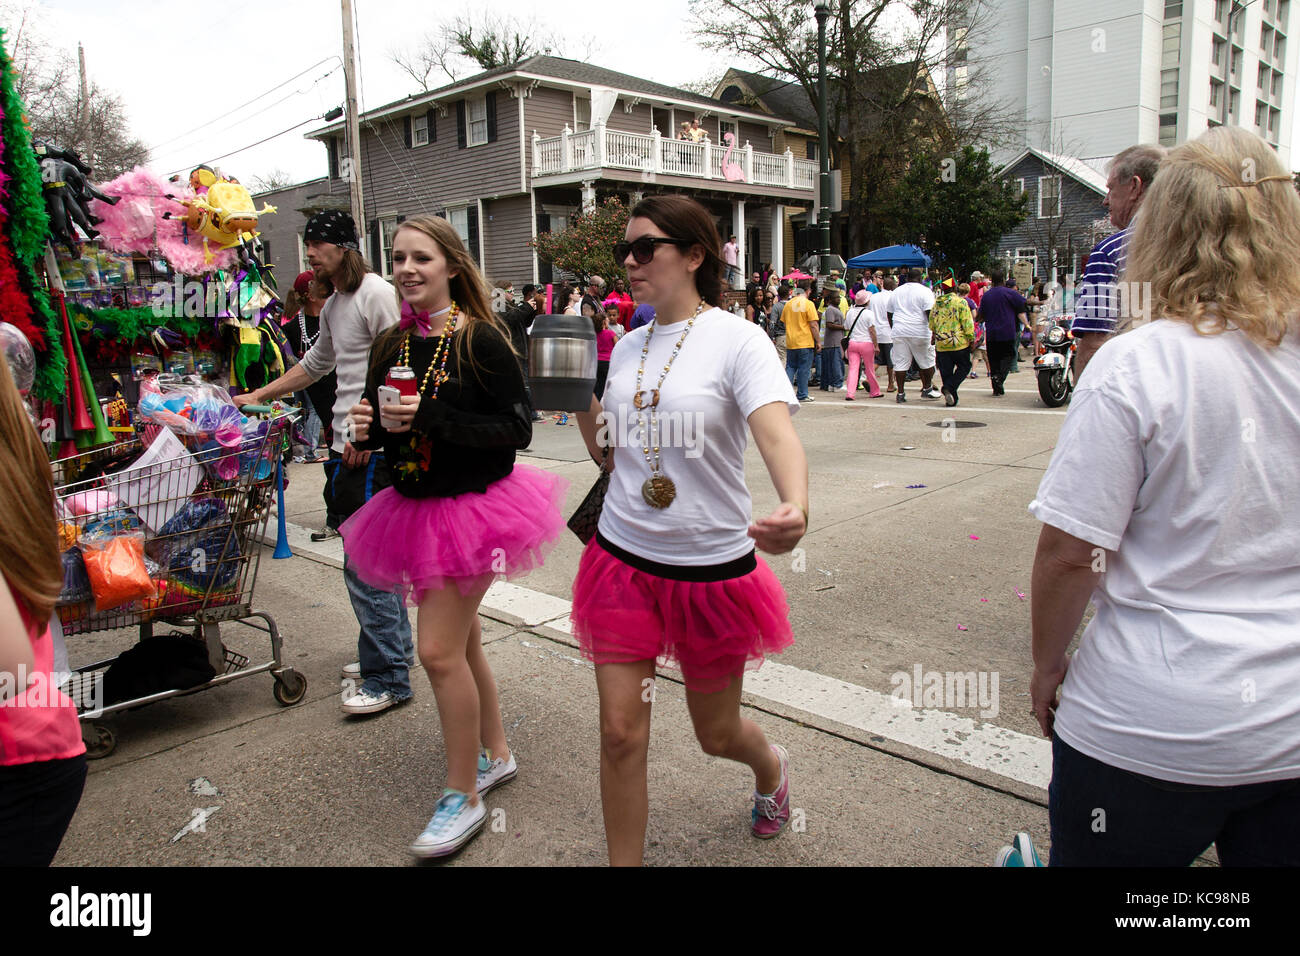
360	307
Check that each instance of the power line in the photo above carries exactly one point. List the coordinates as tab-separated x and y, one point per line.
217	119
209	162
264	109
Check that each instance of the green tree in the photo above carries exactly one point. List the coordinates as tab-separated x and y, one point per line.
955	207
884	62
586	247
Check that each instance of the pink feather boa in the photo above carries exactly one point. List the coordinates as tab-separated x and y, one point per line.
136	224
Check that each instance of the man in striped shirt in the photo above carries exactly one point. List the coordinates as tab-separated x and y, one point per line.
1131	173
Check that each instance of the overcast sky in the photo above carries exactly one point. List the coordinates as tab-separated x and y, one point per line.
185	69
190	65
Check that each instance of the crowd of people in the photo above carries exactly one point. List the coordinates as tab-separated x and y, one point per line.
1160	506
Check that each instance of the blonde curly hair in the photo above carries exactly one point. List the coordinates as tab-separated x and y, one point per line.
1217	239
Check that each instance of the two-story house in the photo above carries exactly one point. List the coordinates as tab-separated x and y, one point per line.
1066	215
518	150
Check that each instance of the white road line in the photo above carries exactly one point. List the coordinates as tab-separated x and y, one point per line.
997	750
936	406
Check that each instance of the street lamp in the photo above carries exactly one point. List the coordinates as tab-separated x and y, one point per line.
822	9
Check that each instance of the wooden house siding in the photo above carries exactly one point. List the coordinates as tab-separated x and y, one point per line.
638	121
506	231
1071	234
547	111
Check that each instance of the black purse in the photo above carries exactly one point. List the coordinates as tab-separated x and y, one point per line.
587	517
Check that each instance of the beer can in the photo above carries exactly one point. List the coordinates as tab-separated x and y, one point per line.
402	378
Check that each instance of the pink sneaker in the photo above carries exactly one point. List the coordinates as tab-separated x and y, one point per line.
772	810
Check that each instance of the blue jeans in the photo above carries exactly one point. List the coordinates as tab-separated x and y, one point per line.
831	368
384	643
798	363
1150	822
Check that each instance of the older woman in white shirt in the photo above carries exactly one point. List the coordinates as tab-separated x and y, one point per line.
1170	501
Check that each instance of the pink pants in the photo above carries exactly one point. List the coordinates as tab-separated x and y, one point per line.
862	354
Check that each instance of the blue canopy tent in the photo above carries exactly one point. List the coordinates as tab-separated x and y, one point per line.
895	257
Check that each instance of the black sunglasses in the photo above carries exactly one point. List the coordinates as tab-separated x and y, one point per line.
643	249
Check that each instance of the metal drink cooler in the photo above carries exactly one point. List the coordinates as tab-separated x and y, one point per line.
562	362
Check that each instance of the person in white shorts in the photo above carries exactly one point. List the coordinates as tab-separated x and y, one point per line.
909	311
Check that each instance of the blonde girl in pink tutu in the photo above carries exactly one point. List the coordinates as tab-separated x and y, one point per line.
671	574
460	512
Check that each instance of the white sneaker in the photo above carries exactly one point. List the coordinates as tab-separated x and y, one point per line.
492	772
455	822
368	703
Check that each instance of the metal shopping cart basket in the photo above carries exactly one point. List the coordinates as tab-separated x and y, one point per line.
179	525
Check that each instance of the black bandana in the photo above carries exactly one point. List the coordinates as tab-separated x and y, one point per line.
332	226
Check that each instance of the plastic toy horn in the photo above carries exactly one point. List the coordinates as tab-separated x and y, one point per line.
76	393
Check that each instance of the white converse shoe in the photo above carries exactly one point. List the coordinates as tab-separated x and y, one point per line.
368	703
352	671
492	772
455	822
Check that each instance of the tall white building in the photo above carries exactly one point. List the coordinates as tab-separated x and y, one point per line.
1089	77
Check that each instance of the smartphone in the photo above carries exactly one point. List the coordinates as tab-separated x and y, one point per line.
388	396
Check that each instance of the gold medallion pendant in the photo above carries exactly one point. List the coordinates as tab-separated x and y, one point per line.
658	491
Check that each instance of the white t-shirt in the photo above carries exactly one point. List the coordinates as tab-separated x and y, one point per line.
726	369
879	306
860	321
731	253
349	323
1181	454
910	303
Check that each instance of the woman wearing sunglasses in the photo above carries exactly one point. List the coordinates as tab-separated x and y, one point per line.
672	574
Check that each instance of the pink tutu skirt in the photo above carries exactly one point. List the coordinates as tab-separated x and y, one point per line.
713	631
410	545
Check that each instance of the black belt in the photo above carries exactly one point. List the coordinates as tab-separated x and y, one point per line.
737	568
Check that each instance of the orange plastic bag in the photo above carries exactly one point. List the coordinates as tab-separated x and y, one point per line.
116	570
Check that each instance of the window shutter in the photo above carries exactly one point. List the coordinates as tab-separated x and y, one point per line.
332	145
492	117
471	216
406	131
431	119
460	124
376	259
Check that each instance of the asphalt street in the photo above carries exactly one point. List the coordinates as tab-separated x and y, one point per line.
916	565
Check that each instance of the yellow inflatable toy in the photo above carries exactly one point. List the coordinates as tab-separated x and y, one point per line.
222	211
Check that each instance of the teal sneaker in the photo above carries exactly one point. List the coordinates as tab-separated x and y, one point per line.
455	822
1024	844
1008	856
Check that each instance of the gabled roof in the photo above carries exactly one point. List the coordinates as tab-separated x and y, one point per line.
570	73
1076	169
788	98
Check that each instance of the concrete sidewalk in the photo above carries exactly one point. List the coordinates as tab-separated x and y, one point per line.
229	777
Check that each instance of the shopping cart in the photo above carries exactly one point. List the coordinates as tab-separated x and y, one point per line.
180	525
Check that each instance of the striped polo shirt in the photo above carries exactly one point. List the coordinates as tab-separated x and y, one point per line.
1098	304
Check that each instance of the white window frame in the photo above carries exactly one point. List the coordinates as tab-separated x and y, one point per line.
386	245
1019	184
578	123
723	125
416	130
1041	180
472	107
458	216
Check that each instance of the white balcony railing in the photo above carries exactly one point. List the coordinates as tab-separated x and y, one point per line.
601	148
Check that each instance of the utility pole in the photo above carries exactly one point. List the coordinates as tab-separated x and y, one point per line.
84	123
352	172
822	10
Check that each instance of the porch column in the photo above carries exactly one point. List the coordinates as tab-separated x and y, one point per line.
588	195
738	227
778	239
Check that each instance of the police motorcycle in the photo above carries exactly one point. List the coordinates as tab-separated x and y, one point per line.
1054	353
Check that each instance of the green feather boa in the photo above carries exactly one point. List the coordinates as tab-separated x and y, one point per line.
29	229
